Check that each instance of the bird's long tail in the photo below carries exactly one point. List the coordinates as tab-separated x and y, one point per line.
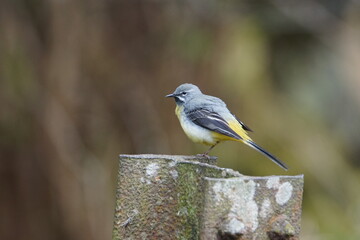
266	153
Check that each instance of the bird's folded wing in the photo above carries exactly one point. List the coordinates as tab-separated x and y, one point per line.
245	127
212	121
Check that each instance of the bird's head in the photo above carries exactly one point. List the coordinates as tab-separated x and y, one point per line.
184	92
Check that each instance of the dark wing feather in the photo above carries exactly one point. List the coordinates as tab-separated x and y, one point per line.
212	121
243	125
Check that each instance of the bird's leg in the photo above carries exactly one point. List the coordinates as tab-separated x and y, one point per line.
207	152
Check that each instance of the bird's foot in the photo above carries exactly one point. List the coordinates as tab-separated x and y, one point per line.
205	155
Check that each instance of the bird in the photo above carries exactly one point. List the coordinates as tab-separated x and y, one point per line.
206	119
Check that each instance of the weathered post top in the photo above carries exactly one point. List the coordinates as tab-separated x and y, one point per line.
197	158
188	197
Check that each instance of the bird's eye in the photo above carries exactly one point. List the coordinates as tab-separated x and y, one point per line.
183	93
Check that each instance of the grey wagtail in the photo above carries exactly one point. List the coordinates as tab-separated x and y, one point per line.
206	119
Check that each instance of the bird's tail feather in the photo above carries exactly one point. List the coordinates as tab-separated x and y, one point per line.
267	154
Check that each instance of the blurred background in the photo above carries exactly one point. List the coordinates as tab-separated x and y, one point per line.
84	81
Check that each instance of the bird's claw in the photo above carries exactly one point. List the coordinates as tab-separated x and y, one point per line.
205	155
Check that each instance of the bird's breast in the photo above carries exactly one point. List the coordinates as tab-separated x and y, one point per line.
193	131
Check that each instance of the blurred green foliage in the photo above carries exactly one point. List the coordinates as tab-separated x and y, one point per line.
83	81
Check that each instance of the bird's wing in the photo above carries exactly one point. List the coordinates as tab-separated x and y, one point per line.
243	125
212	121
218	101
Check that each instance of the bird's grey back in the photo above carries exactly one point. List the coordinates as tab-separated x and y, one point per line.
210	103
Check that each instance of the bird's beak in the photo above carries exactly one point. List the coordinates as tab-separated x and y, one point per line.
171	95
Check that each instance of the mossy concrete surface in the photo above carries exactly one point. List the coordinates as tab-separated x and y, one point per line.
161	196
188	197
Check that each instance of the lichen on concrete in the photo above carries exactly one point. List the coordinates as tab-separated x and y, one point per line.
187	197
284	193
247	208
265	208
240	195
151	169
174	174
273	182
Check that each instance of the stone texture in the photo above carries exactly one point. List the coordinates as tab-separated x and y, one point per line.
188	197
161	196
